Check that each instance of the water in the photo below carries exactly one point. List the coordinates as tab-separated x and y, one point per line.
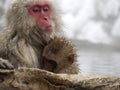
99	62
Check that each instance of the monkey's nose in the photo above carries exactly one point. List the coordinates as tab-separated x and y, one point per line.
45	18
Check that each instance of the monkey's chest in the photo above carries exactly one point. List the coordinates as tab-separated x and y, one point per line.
25	57
31	57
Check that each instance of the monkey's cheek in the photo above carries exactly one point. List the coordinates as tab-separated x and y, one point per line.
49	65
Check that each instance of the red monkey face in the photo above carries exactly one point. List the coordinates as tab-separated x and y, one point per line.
42	14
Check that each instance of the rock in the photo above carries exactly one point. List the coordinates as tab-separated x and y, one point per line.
36	79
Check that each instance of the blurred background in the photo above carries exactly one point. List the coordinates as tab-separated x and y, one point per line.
93	25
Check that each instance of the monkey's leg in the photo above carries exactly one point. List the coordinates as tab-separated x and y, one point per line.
4	64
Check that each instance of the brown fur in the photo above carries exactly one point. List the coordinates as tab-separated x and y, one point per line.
59	50
22	42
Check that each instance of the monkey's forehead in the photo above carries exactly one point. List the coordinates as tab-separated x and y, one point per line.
29	2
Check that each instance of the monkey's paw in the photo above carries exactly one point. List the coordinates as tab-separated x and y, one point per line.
4	64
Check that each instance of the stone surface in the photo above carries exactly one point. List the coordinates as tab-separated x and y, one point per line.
35	79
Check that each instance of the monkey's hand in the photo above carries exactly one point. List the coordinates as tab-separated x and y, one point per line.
4	64
61	52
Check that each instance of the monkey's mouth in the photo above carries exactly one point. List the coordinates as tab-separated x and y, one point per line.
49	29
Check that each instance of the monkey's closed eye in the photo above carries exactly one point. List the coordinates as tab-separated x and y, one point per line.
36	9
45	8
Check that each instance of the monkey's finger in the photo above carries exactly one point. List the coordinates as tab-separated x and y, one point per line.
2	66
8	66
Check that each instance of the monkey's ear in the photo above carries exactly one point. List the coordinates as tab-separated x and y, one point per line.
71	58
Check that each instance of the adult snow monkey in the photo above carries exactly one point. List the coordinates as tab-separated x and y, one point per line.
30	38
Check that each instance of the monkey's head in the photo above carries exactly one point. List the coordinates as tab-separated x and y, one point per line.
28	15
58	55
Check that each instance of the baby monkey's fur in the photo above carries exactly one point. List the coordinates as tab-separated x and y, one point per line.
63	53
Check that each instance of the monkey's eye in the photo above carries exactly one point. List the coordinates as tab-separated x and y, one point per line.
36	9
45	8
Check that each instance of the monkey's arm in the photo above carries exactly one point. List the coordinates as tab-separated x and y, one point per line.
60	56
4	63
4	39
